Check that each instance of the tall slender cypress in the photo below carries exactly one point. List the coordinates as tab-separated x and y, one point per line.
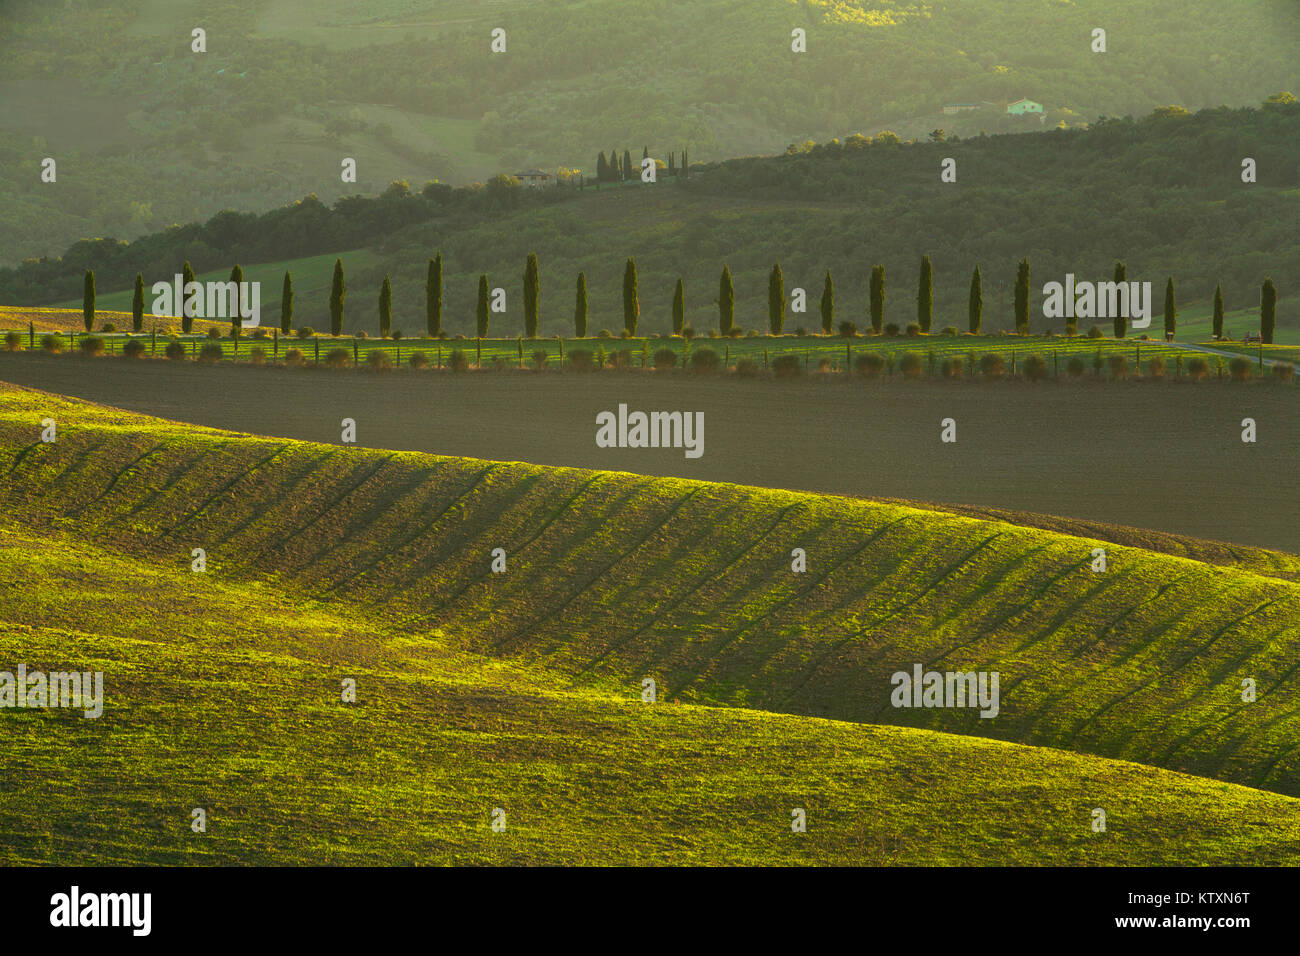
1218	312
338	293
286	304
236	306
187	314
385	309
631	305
775	300
1267	312
925	296
1022	297
679	307
481	310
88	301
877	298
975	312
532	294
433	298
1120	322
726	301
1171	309
828	304
580	308
137	304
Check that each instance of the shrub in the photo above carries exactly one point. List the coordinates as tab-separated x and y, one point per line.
338	358
869	364
108	327
891	329
913	329
257	356
625	334
746	368
396	335
581	360
1035	368
951	330
1197	368
175	351
951	368
1283	372
848	330
133	349
457	361
260	333
1075	367
540	358
909	363
665	359
293	358
377	360
13	341
787	365
1241	368
800	332
704	360
604	334
688	332
92	345
359	334
1156	368
418	360
824	364
1118	365
1096	333
992	366
210	354
621	359
305	332
214	333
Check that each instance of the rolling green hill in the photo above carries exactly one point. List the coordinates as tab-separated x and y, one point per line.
222	690
613	578
148	133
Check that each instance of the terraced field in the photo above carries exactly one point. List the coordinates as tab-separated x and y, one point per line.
612	578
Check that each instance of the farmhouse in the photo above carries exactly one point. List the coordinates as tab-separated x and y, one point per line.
952	109
1024	107
535	178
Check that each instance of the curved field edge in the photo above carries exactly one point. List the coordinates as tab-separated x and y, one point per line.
612	578
240	714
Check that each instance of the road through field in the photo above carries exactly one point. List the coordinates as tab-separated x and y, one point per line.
1166	456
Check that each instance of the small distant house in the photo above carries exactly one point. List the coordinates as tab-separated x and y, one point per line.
952	109
1024	108
535	178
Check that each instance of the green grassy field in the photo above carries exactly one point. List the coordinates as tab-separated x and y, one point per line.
522	692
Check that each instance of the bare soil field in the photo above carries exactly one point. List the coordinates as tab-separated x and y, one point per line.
1167	456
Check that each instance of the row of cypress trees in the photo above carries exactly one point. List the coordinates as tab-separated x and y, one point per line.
726	301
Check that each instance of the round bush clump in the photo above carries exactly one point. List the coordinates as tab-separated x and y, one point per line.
261	333
338	358
1156	367
913	329
787	366
52	342
891	329
214	333
704	360
1096	333
1035	368
305	332
909	363
581	360
397	335
457	361
133	349
92	345
1075	367
377	360
108	327
293	358
604	334
211	353
359	334
848	330
540	358
175	350
13	341
951	330
1241	368
1283	372
951	368
665	359
1118	365
869	364
992	366
1198	368
746	368
418	360
257	356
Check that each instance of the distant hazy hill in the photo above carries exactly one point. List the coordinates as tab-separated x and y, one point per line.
147	133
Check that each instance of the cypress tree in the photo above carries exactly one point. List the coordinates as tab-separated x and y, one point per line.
975	314
672	164
338	292
1120	322
828	304
433	298
481	311
615	172
686	165
925	296
237	311
88	301
776	300
602	168
1267	312
137	304
631	307
877	298
1218	312
726	301
1171	310
187	315
1022	298
627	164
286	304
679	307
532	292
580	308
385	309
